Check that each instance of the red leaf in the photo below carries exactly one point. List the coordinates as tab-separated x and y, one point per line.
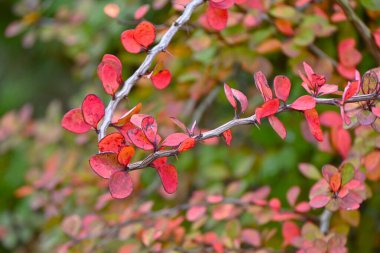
111	142
331	119
313	123
224	4
290	232
162	79
173	140
149	127
277	126
141	11
262	85
217	18
187	144
145	34
303	103
227	136
120	185
93	110
110	73
159	161
125	155
169	177
376	111
139	139
137	119
251	236
195	213
239	96
74	122
351	90
105	164
282	87
127	116
292	195
129	42
230	96
124	131
302	207
270	107
341	140
349	56
319	201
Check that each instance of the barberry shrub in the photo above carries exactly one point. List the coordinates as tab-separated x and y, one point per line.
335	98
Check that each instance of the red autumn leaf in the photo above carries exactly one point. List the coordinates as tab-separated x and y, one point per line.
137	119
349	56
351	90
93	110
149	127
162	79
74	122
187	144
376	111
125	155
105	164
173	140
227	136
159	161
262	85
124	131
222	4
120	185
282	87
290	232
169	177
126	117
335	181
243	101
111	143
230	96
270	107
302	207
319	201
341	140
303	103
179	124
139	139
141	11
145	33
216	18
110	73
312	119
195	213
376	36
129	43
277	126
330	119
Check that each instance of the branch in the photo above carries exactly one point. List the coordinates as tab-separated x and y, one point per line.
362	29
145	65
238	122
325	221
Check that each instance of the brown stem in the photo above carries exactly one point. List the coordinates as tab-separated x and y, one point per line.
362	29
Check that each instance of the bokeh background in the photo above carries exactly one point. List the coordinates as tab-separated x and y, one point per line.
49	52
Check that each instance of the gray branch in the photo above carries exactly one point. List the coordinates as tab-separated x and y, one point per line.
144	67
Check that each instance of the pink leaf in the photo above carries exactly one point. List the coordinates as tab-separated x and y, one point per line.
224	4
239	96
376	111
105	164
282	87
162	79
174	139
292	195
129	43
149	127
302	207
139	139
230	96
251	236
341	139
313	123
169	177
120	185
319	201
328	89
262	85
195	213
290	232
93	110
277	126
303	103
217	18
141	11
74	122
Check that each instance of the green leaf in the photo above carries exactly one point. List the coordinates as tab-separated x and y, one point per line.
348	172
284	12
304	37
309	171
371	4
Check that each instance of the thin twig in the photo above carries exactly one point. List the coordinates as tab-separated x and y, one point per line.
198	113
238	122
131	81
362	29
325	221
